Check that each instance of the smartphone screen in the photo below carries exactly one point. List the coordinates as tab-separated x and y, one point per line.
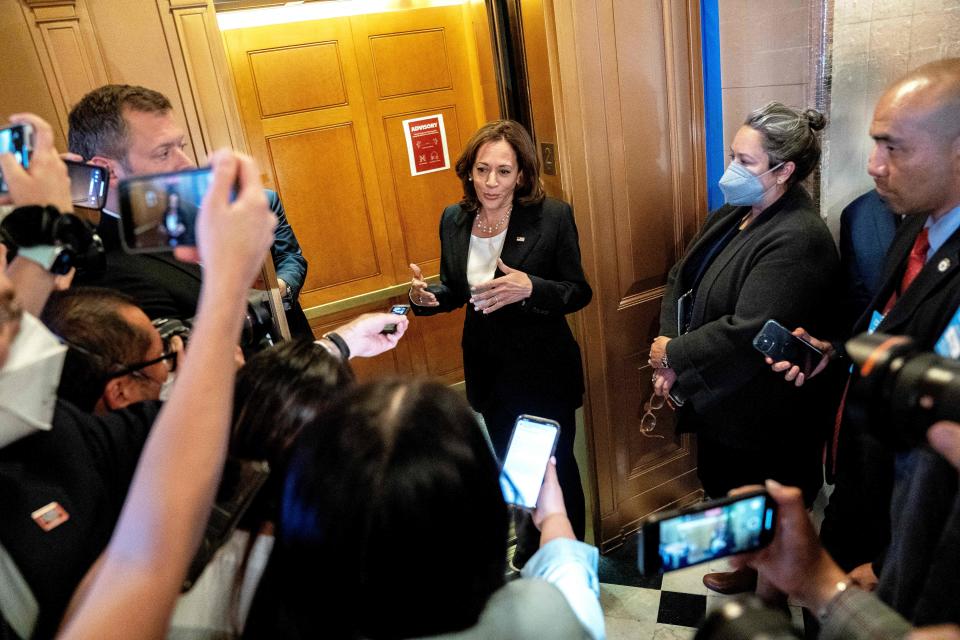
528	453
16	140
159	212
707	531
88	184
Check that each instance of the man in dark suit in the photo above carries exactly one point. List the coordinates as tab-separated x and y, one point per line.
131	131
915	165
867	227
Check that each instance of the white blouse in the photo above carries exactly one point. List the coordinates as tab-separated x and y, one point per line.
482	258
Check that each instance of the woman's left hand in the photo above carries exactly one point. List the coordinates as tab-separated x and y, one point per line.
499	292
658	351
663	380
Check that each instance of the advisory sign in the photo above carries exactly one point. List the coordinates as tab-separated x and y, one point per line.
426	144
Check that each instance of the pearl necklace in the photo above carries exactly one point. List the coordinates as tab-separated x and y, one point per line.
494	228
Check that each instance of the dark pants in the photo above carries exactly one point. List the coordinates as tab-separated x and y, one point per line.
722	467
500	418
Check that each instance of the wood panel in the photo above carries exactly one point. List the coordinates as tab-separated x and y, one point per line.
303	111
335	150
627	76
427	74
66	45
342	218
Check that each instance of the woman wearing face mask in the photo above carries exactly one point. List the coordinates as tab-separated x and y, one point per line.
512	256
766	254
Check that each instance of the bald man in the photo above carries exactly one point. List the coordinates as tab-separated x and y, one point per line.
915	164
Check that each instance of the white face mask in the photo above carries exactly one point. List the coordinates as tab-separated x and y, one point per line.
29	380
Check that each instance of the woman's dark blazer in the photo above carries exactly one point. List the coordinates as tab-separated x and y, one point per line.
783	266
529	344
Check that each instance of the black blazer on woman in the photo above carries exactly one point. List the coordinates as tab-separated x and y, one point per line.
783	266
528	343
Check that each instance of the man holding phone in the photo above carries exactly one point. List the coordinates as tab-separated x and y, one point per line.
132	131
914	163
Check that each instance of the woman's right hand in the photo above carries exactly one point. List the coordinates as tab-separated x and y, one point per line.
793	373
418	289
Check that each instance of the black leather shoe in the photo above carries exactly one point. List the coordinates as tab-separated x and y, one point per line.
739	581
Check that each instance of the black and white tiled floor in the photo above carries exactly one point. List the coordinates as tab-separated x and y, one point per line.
668	607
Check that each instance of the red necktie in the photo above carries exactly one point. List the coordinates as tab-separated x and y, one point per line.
918	256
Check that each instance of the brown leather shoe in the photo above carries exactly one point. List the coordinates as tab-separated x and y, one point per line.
739	581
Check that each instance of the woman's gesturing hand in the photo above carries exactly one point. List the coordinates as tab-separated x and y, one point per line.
512	287
418	289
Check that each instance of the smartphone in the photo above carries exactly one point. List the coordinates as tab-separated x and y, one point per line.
776	341
707	531
159	212
400	310
18	140
88	184
531	444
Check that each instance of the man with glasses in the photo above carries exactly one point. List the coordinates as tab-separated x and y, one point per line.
115	355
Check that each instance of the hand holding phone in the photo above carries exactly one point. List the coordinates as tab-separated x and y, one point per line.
707	531
397	309
34	175
532	443
780	345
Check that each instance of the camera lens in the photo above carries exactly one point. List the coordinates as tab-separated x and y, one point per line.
765	343
901	391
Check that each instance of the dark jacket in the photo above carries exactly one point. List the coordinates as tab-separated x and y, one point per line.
85	463
857	523
529	342
867	228
783	266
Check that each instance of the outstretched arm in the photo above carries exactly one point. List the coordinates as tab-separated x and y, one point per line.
172	490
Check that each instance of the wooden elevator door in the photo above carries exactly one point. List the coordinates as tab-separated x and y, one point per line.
322	104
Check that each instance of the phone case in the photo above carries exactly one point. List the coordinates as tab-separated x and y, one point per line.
777	342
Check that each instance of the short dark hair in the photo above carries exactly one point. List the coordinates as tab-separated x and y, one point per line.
88	319
97	126
529	190
279	392
789	135
397	476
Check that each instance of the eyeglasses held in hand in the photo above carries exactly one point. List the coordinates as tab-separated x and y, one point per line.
648	421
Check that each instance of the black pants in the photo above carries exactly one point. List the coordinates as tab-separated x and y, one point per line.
722	467
500	417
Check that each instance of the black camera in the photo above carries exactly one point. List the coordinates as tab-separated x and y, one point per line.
258	332
746	618
901	391
76	242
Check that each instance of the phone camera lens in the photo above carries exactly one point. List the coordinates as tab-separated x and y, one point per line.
765	343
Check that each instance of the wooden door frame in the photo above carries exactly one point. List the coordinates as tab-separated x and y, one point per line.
593	178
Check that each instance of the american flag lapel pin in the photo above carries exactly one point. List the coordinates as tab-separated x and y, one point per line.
50	516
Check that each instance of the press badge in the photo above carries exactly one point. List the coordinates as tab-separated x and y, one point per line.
948	345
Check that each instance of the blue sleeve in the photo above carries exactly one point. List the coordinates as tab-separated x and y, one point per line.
288	259
571	567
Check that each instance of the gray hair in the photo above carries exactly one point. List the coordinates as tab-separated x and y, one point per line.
789	135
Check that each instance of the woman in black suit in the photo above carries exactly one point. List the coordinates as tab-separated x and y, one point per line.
764	255
512	256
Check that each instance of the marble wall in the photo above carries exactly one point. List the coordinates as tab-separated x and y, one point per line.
874	42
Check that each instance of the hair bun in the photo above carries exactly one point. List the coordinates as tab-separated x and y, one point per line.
815	119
